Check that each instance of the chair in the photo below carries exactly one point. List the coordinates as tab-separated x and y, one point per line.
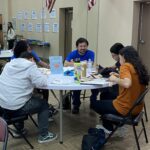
12	120
3	133
129	119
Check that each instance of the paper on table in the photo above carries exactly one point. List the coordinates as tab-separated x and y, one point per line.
96	82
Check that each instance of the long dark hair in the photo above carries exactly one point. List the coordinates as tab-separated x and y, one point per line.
10	27
131	56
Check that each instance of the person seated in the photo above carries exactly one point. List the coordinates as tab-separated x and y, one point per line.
82	53
17	81
132	80
110	92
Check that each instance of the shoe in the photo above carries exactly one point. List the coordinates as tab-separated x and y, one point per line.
50	116
50	119
48	138
99	126
75	110
53	110
17	134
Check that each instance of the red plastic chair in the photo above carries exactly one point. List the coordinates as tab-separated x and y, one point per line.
3	133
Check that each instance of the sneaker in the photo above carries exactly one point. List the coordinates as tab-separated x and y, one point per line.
52	110
50	119
99	126
48	138
75	110
17	134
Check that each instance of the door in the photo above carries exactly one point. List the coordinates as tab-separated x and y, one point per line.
144	33
1	32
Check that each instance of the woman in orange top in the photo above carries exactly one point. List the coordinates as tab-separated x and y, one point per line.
132	80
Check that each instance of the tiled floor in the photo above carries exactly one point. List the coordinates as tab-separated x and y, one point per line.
75	126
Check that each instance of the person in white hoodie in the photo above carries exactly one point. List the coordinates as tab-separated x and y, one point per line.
10	35
17	81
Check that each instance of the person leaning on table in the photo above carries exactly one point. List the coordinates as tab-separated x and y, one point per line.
132	80
17	81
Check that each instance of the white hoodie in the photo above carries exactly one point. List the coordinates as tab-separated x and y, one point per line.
17	82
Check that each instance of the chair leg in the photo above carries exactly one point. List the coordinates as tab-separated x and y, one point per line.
136	137
144	129
145	112
27	141
33	120
10	133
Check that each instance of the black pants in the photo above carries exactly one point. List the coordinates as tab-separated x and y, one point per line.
11	44
33	106
104	107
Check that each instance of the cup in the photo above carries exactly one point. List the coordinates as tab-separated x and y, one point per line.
83	68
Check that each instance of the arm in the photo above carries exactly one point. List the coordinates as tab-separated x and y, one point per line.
125	79
67	63
43	64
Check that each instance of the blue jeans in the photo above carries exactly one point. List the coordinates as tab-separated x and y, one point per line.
103	107
33	106
76	97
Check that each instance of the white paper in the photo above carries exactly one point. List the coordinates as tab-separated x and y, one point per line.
14	22
33	15
26	15
22	27
30	27
53	13
55	27
43	14
46	27
38	27
20	15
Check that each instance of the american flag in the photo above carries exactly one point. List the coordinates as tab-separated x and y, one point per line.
91	3
50	4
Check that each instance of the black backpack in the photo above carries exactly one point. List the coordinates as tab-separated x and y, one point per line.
94	140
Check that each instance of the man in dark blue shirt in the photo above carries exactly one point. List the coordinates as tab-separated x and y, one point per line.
82	53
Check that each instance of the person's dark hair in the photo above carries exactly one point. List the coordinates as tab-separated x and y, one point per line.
82	40
20	47
116	48
26	55
131	56
10	27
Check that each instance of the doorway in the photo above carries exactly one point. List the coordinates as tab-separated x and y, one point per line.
143	45
1	32
65	35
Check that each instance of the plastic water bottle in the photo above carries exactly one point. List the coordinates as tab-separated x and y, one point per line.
89	68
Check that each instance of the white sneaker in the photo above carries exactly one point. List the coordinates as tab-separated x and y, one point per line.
99	126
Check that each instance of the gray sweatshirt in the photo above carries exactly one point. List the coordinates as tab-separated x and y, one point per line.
17	82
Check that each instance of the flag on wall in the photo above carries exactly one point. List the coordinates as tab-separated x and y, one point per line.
50	4
91	3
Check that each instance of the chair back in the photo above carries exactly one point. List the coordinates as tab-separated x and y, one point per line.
139	101
3	132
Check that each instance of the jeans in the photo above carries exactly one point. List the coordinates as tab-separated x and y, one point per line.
76	97
103	107
39	106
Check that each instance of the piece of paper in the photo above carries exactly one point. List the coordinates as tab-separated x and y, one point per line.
20	15
22	27
30	27
55	27
43	14
56	64
33	15
14	23
38	27
26	15
46	27
53	13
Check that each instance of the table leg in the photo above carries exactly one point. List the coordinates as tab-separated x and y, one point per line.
61	115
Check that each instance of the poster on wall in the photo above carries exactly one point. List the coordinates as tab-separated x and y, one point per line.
14	23
38	27
53	13
46	27
43	14
33	15
30	27
55	27
22	27
20	15
26	15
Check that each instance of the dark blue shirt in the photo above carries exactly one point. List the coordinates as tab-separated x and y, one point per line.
89	54
36	57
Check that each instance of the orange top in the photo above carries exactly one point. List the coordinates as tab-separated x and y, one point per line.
127	96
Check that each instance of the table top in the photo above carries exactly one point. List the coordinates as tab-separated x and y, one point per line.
6	53
71	85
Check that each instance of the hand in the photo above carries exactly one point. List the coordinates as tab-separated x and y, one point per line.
115	74
113	78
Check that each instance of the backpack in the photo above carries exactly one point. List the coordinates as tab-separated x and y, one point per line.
94	140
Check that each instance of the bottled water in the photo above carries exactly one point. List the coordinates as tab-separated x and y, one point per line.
89	68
